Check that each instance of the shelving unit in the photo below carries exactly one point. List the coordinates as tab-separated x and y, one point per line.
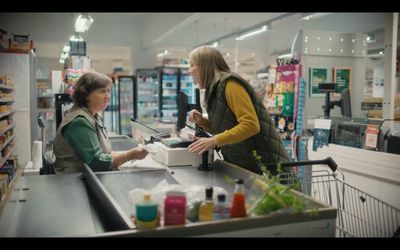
7	136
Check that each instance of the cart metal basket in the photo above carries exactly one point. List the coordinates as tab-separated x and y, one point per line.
359	214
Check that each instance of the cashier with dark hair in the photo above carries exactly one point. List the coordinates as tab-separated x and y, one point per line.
81	137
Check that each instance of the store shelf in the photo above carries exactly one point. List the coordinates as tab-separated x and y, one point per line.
147	110
9	127
147	98
11	185
7	87
7	113
6	100
5	144
145	86
5	158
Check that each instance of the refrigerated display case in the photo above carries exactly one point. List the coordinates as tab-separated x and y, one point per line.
186	84
127	108
169	84
172	80
110	115
147	93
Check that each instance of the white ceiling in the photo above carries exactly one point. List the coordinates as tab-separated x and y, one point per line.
207	27
117	35
198	28
192	29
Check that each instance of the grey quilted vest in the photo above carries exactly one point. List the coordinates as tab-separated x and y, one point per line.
67	160
267	142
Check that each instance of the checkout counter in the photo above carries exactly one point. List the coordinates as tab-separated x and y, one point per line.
375	170
352	132
96	204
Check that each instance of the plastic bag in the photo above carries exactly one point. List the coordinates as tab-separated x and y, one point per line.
193	193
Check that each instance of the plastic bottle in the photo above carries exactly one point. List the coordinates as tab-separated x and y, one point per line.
207	206
192	210
221	210
175	208
146	213
238	206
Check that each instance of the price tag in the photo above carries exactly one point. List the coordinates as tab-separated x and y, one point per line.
371	139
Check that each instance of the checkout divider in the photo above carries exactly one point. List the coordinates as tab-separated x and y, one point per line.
113	216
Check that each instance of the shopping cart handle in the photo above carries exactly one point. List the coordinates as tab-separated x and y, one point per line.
328	161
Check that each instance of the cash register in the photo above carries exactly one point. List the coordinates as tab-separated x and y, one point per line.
172	150
352	132
165	138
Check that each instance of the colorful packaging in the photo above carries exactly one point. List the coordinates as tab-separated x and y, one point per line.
175	208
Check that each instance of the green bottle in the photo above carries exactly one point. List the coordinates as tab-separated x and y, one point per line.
146	213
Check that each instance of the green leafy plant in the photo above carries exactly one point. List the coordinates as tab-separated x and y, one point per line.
275	196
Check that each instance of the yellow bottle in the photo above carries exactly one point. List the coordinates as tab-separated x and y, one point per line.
207	206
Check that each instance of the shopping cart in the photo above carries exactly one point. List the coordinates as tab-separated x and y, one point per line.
358	213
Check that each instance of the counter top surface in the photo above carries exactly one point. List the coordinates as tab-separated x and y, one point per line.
65	205
51	205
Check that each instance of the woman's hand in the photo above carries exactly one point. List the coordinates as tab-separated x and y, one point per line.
202	144
138	153
195	116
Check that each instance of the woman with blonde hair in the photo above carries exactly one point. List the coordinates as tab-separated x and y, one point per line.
237	118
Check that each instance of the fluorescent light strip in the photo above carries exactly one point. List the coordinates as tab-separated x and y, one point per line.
76	38
214	45
164	53
289	55
314	16
83	23
66	48
252	33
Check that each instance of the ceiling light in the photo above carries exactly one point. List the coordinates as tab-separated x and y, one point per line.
306	18
313	16
375	52
164	53
214	44
252	33
76	38
66	48
288	55
83	23
371	38
63	56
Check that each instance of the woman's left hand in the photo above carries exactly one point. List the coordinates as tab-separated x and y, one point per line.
202	144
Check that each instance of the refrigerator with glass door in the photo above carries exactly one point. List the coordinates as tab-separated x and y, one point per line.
127	108
147	95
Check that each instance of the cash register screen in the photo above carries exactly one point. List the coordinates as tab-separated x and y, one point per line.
183	108
348	135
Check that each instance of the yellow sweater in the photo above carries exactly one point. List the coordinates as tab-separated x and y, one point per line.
240	103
